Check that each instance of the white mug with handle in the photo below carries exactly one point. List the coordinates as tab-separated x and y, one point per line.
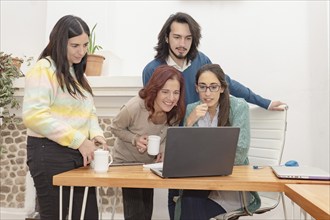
102	161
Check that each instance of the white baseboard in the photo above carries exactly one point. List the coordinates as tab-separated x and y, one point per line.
108	215
21	214
13	213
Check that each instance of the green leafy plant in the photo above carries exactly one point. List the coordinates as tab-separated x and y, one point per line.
92	46
18	61
8	73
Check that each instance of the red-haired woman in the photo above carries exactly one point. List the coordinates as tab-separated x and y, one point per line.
159	104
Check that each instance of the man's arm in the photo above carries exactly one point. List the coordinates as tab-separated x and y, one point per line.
238	90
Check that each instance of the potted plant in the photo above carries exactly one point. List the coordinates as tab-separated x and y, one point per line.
9	71
94	62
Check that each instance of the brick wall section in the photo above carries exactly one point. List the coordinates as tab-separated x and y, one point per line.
13	168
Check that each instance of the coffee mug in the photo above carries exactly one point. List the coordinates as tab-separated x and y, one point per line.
153	144
101	163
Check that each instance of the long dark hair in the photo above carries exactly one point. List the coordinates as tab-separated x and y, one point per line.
224	102
155	84
67	27
162	47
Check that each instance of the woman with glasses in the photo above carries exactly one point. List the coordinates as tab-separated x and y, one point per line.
217	108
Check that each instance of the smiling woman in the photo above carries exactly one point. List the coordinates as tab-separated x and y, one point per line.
160	104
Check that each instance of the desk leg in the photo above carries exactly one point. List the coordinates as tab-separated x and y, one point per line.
99	201
114	204
61	191
70	203
82	215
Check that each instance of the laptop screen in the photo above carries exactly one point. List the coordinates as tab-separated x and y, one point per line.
200	151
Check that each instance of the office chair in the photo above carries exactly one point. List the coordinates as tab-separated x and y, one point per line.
268	129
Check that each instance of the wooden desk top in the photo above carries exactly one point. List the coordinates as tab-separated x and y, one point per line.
243	178
314	199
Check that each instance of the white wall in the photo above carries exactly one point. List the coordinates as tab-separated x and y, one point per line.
23	27
279	49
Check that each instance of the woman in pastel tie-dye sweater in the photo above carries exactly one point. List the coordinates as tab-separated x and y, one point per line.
61	121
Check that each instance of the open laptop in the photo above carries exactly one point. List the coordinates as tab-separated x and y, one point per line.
311	173
199	151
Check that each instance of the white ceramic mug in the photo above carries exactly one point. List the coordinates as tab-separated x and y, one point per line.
153	144
102	161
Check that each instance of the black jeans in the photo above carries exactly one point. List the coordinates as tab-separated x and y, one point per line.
170	202
138	203
195	205
45	159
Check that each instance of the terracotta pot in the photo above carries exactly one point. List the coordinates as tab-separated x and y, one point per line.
94	65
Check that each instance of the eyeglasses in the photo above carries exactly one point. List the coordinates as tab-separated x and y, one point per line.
213	87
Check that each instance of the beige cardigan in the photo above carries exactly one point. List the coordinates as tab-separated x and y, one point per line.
131	120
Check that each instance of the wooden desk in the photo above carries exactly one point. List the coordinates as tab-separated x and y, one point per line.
314	199
243	178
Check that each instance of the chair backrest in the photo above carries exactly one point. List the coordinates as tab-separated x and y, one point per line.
268	130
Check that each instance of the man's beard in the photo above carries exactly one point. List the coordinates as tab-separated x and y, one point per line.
180	57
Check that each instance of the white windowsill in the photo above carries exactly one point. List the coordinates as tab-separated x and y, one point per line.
102	85
111	92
